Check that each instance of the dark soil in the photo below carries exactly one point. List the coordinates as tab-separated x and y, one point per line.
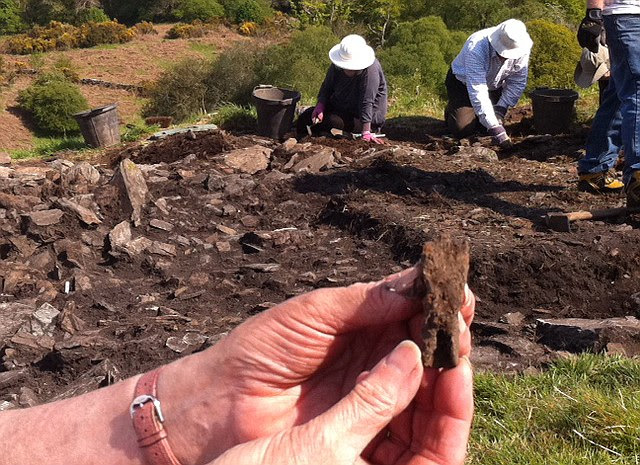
246	242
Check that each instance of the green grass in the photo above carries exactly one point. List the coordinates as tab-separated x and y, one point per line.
107	46
47	146
235	117
207	51
138	130
583	410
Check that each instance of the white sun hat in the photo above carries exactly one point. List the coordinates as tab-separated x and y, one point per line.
352	53
592	67
511	39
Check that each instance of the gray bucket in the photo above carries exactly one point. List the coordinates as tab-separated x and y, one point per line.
276	109
553	109
101	126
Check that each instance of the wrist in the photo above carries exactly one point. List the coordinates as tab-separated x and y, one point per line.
594	14
194	402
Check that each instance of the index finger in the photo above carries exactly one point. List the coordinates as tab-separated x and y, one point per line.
345	309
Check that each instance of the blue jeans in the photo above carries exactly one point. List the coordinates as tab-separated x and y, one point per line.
617	122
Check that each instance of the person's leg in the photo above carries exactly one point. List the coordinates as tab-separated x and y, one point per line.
623	35
603	142
460	117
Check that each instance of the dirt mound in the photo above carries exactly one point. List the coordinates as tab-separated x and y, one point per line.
107	271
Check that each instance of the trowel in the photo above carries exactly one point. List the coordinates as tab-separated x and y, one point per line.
339	133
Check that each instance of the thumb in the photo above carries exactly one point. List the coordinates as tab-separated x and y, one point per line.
376	399
340	435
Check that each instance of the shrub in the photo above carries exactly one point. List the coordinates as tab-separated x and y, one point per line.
554	55
10	17
52	100
144	28
203	10
108	32
301	63
42	12
180	91
93	14
235	117
419	54
187	31
248	29
240	11
233	76
60	36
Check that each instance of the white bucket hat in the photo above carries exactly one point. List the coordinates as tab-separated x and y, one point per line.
592	67
511	39
352	53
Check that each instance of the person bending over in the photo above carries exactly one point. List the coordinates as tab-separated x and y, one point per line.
486	79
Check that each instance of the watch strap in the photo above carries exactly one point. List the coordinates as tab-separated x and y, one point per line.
148	419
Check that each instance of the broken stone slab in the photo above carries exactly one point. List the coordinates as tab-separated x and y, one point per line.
105	373
239	186
513	319
517	346
80	178
6	405
21	203
190	340
317	162
8	378
42	262
226	230
68	321
5	158
162	225
250	160
42	218
6	172
12	316
23	245
578	335
289	146
120	236
477	153
42	322
160	248
34	342
28	397
134	193
85	215
262	267
223	246
15	279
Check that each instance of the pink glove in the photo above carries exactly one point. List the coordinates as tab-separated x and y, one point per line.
318	113
367	136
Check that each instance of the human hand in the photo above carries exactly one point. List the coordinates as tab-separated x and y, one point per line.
318	113
368	137
500	137
292	370
395	414
590	30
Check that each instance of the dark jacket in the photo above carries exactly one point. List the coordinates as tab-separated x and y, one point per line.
363	96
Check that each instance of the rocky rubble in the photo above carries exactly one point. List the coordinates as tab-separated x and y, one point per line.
110	269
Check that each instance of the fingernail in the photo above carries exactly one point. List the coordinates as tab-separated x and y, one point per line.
402	357
461	323
408	284
468	295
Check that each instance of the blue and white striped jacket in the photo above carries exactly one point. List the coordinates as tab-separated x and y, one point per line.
481	69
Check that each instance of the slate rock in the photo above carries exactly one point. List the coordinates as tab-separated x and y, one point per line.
43	218
80	178
162	225
84	214
134	193
580	335
250	160
322	160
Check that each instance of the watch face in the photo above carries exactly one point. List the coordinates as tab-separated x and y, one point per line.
595	15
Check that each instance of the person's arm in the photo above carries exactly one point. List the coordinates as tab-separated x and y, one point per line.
476	68
369	85
515	85
96	428
327	86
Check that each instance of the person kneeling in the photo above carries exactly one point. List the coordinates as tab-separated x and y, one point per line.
353	96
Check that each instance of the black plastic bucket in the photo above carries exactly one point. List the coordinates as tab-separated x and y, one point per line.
276	109
101	126
553	109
